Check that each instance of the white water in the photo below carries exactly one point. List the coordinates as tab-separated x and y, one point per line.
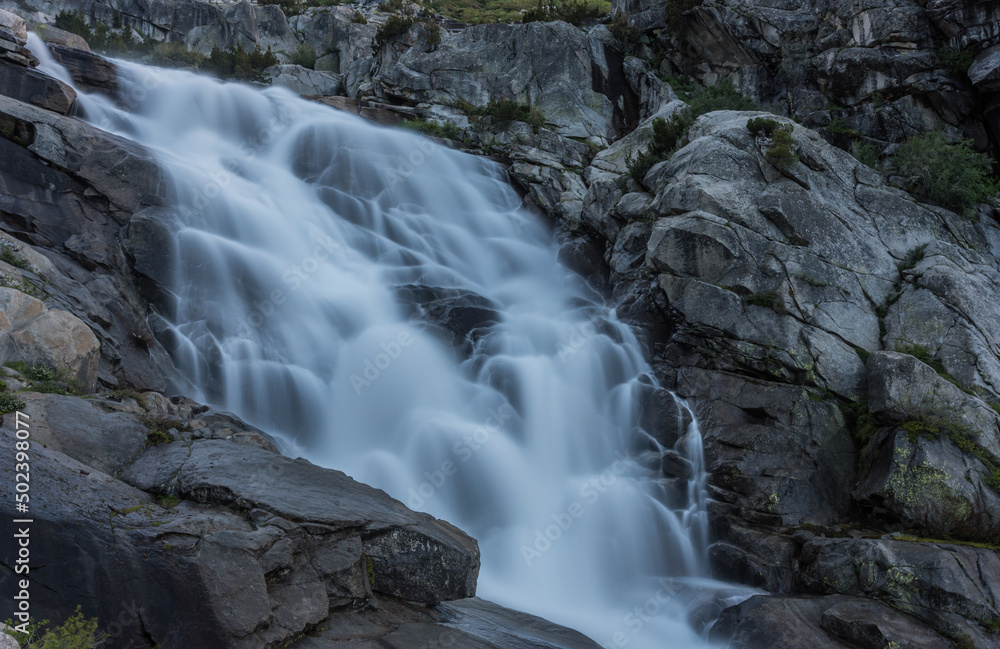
295	223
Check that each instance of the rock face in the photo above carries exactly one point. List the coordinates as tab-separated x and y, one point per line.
181	513
763	292
68	189
883	71
573	79
35	334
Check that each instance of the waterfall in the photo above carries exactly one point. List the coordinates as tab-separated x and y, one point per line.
307	239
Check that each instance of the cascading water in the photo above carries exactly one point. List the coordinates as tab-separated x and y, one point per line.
298	231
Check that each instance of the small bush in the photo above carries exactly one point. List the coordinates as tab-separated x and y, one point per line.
623	31
859	417
9	254
447	130
395	26
10	403
35	372
840	126
433	34
668	134
677	9
241	64
955	60
781	153
684	86
359	18
176	55
76	632
155	437
866	154
953	176
575	12
507	110
757	124
305	56
911	259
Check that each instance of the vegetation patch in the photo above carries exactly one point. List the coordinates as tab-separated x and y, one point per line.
35	371
865	153
304	55
446	130
669	134
923	354
952	175
678	9
860	420
955	60
240	64
912	258
10	403
395	26
767	299
77	632
575	12
11	255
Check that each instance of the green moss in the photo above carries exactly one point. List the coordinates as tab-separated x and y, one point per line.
371	570
914	429
972	544
767	299
122	394
169	502
991	625
965	641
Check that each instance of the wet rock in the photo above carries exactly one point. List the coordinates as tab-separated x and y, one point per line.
304	81
92	73
458	314
36	88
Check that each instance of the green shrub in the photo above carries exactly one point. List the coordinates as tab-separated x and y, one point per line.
155	437
305	56
955	60
574	12
507	110
757	124
859	418
677	9
34	631
668	134
35	372
865	153
241	64
623	31
11	256
953	176
359	18
395	26
76	632
447	130
176	55
10	403
433	34
684	86
909	261
781	153
288	7
840	126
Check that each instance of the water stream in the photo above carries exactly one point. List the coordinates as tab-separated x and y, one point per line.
302	236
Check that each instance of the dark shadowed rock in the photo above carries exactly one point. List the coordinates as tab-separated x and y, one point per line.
37	88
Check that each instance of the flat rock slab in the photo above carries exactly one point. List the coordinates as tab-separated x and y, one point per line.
414	556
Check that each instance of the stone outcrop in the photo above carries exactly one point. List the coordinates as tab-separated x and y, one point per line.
878	72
